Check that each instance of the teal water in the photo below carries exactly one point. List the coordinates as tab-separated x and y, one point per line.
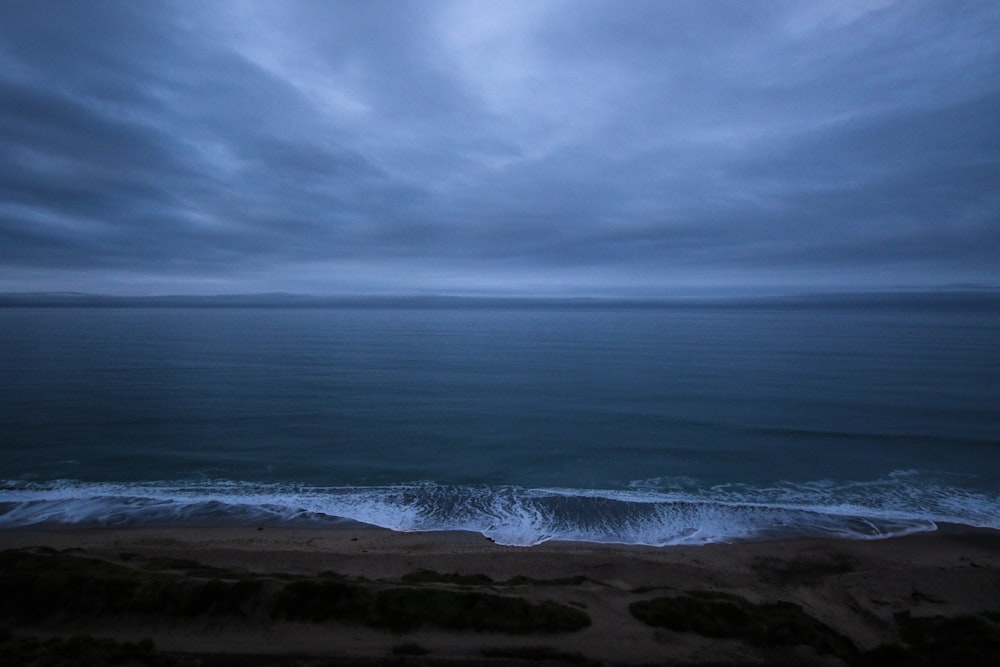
653	425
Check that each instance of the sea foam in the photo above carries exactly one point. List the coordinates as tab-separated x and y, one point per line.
650	512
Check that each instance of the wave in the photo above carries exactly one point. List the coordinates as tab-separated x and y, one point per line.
657	512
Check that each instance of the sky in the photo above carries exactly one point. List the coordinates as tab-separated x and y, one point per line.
571	147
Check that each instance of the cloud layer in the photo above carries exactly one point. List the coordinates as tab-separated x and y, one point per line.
568	147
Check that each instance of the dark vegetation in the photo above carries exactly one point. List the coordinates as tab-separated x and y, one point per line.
410	648
402	609
39	584
543	653
43	584
969	641
804	569
43	588
81	650
721	615
86	651
430	576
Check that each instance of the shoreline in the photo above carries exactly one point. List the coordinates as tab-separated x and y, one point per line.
861	589
516	515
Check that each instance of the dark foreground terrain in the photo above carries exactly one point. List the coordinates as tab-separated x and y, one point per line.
140	598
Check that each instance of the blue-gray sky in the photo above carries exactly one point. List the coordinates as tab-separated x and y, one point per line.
565	147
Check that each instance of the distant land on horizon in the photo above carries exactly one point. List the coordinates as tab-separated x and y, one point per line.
964	297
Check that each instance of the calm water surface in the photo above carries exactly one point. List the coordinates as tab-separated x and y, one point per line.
648	425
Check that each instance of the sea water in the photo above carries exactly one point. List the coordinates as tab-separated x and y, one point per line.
639	424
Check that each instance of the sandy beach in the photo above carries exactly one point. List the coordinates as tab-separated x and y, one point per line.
845	598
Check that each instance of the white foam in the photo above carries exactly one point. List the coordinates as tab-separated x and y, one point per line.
653	512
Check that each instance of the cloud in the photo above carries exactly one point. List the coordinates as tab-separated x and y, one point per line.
570	147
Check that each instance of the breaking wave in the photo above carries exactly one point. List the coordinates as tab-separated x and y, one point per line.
657	512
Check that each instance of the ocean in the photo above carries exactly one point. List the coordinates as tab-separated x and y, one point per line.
654	424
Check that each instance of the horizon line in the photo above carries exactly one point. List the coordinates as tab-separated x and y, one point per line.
957	295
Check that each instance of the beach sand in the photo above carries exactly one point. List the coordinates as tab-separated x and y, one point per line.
867	593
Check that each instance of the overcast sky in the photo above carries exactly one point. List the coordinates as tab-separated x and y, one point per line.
530	147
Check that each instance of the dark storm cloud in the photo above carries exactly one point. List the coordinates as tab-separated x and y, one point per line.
538	147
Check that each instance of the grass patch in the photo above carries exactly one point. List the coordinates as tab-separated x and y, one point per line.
83	650
322	599
546	653
188	568
433	577
559	581
970	641
722	615
43	585
804	569
410	648
402	609
37	585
